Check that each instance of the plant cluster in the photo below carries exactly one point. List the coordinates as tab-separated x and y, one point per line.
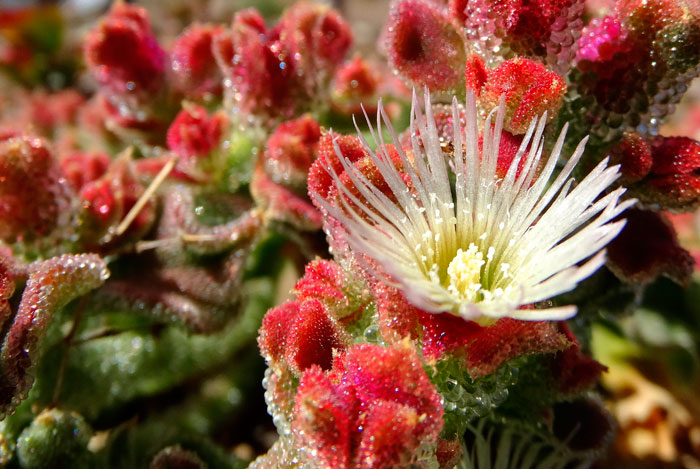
509	252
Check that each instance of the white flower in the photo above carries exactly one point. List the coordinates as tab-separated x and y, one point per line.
467	242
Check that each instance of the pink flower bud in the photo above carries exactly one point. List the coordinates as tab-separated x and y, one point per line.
192	60
123	54
424	47
530	89
599	39
32	196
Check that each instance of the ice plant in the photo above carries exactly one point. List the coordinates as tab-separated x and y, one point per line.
482	247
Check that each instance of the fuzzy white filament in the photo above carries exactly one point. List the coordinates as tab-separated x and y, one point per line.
477	245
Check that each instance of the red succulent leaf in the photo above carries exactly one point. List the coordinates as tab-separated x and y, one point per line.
261	73
675	155
50	286
475	74
273	332
393	374
312	338
531	24
572	370
507	151
80	168
446	333
115	120
29	177
645	18
678	192
355	80
397	318
423	46
100	200
332	37
368	168
507	339
316	38
153	165
373	409
327	282
179	217
291	150
7	287
648	247
50	110
322	421
449	452
123	53
633	154
282	203
530	89
106	201
389	436
195	134
196	71
458	10
320	180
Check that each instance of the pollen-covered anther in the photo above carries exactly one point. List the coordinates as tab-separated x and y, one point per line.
464	273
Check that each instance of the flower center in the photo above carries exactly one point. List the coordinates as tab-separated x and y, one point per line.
464	273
